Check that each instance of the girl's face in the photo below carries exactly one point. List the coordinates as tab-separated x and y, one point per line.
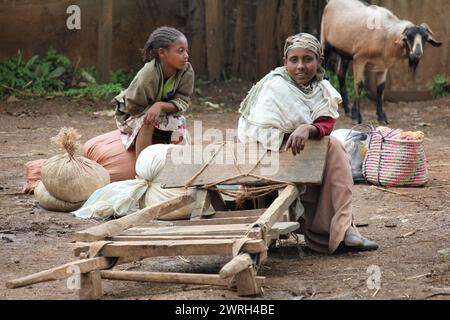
176	56
301	65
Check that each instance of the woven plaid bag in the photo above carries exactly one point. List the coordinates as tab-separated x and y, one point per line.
394	162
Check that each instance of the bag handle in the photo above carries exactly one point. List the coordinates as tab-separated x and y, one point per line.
366	125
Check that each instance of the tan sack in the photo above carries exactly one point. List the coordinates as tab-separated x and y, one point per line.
69	177
48	202
109	151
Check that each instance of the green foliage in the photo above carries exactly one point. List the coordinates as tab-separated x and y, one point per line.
95	90
54	74
123	77
200	82
348	84
38	74
439	86
92	71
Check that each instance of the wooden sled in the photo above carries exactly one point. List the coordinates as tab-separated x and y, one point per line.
212	229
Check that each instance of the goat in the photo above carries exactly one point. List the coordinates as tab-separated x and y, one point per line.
370	36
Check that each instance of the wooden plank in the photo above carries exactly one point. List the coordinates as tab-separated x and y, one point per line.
266	39
238	264
196	35
218	221
278	207
301	15
214	38
285	227
189	230
202	232
91	286
246	283
169	277
105	41
178	247
114	227
285	23
233	214
61	272
306	168
238	42
202	203
192	237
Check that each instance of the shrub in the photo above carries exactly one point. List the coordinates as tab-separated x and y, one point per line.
439	86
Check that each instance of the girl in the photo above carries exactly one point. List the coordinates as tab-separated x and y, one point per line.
289	106
150	110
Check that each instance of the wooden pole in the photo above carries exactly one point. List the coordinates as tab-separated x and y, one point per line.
167	277
61	272
236	265
278	207
104	41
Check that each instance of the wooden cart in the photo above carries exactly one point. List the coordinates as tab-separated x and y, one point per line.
212	229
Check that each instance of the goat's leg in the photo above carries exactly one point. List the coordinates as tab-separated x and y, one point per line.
381	85
358	73
326	56
342	75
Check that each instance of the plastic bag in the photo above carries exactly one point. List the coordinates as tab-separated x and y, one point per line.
116	199
113	200
355	143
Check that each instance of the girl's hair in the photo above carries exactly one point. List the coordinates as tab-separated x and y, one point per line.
162	37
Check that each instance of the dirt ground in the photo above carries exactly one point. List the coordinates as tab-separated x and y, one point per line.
412	226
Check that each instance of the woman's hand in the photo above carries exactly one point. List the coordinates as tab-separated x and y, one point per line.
152	115
297	140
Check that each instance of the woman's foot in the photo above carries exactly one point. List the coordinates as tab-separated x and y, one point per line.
355	242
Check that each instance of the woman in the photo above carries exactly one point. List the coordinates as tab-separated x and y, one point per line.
289	106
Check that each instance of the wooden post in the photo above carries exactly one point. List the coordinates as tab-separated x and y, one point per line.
246	283
217	201
104	41
196	26
214	38
202	203
91	286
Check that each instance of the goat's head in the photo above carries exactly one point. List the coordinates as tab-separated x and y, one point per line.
414	39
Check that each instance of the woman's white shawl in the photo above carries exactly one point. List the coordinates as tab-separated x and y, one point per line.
276	106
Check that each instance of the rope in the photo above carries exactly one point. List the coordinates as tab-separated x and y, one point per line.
195	176
247	193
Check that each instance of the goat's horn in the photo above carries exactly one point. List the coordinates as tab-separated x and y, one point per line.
428	28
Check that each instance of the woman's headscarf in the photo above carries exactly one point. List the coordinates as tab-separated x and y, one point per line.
306	41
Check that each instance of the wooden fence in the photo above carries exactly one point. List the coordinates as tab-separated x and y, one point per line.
228	38
245	38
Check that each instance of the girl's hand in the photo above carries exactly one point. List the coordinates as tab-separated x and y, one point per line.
152	115
297	140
